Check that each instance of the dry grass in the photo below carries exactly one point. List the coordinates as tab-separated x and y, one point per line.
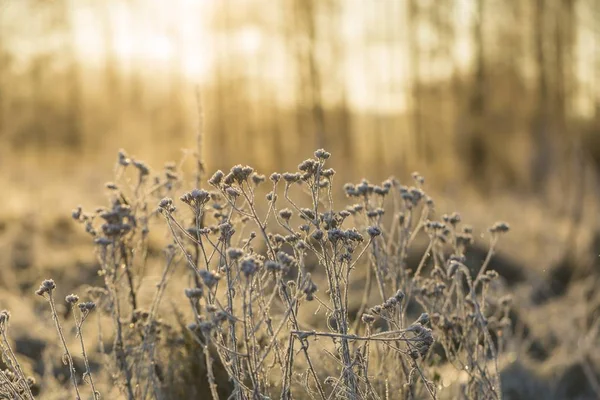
267	289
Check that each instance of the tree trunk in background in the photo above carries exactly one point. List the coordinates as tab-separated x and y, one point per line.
564	43
395	22
574	176
379	129
73	132
177	89
111	72
308	18
343	134
297	60
415	77
542	152
219	89
276	134
477	153
437	147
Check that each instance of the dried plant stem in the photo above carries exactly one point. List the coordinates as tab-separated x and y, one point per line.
488	258
88	371
232	332
210	373
6	348
119	343
11	387
289	360
129	274
67	353
199	140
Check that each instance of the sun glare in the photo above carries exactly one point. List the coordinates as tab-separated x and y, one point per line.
250	40
158	33
160	47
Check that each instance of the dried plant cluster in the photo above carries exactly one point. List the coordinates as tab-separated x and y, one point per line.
262	269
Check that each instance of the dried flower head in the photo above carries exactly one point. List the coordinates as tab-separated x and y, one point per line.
142	168
317	235
209	278
194	293
310	289
249	266
368	318
322	154
235	253
4	317
423	319
232	192
418	178
47	286
499	227
399	295
166	204
257	179
195	198
241	173
76	213
275	177
72	299
285	214
87	306
220	317
328	173
373	231
123	160
354	235
289	177
491	274
271	197
217	178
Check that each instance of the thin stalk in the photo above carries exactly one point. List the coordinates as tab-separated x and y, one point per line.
67	354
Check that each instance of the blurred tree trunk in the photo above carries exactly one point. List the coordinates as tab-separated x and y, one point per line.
574	175
345	136
74	121
111	73
219	87
343	128
564	46
176	92
477	153
375	145
134	88
394	33
291	29
542	152
276	138
306	14
441	54
414	74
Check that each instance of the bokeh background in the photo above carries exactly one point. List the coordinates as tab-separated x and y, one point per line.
498	92
495	102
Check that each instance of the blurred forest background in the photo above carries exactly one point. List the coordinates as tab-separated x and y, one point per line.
500	96
495	102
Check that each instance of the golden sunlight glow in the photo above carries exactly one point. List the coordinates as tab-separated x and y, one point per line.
194	38
154	33
161	48
250	40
